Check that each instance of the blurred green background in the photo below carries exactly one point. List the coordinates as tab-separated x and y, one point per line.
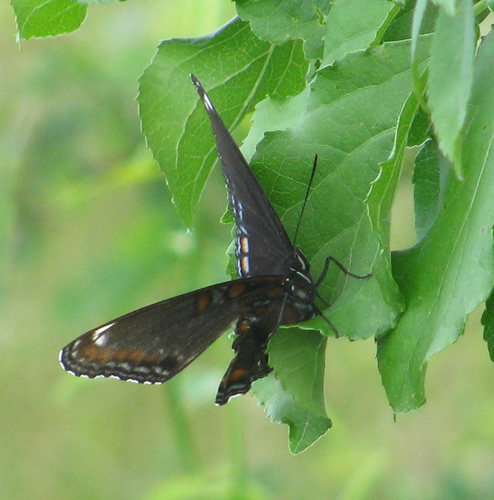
88	232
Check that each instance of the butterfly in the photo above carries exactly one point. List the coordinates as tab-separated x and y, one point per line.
275	287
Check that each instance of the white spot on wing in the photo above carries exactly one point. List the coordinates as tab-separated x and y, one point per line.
160	372
98	337
124	366
240	210
208	103
141	369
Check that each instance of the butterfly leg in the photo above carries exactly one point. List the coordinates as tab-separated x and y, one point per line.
342	268
320	280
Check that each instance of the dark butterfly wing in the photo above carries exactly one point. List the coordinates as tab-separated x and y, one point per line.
262	245
154	343
251	361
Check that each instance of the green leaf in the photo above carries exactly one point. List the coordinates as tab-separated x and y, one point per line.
41	18
381	198
420	130
451	270
448	6
488	321
421	15
336	119
350	125
401	27
450	77
305	427
237	70
353	25
273	114
384	188
297	357
429	164
278	22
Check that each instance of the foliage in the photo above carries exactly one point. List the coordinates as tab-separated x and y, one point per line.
356	83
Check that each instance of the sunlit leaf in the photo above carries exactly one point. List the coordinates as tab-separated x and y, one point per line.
237	70
450	77
355	25
41	18
278	22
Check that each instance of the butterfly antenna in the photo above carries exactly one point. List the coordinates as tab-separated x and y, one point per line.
314	165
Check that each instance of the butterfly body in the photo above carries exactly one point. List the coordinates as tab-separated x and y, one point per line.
274	288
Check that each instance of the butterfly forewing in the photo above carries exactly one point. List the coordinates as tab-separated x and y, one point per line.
262	245
156	342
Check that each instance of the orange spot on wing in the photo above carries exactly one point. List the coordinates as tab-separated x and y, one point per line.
238	374
235	290
244	244
242	327
244	264
203	301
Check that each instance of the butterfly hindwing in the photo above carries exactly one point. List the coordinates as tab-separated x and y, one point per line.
154	343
